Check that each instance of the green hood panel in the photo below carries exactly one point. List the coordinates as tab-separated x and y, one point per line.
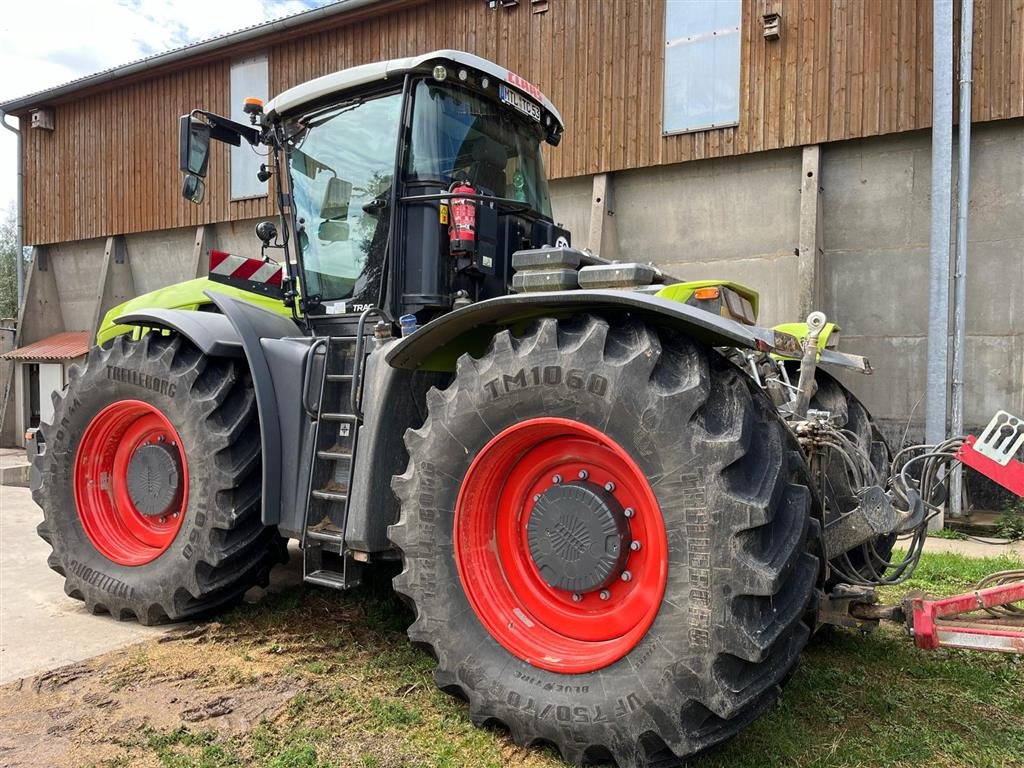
187	295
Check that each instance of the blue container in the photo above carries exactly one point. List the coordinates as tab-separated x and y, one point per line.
408	324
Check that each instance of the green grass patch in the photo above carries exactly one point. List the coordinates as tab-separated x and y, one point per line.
947	573
948	533
369	700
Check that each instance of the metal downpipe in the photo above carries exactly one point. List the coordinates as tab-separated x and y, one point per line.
938	285
19	259
960	270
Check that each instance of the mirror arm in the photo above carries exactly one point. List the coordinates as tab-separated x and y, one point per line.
228	131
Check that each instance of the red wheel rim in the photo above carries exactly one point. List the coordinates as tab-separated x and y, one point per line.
548	627
115	527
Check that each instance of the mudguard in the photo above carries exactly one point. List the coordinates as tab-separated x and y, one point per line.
273	396
213	334
438	344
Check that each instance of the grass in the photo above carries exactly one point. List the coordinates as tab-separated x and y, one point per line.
948	533
368	700
1010	524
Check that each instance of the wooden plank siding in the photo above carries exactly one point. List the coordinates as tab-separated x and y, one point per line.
842	69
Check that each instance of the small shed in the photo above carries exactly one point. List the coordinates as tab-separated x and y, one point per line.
40	369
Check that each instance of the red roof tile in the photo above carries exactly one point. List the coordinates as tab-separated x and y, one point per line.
60	346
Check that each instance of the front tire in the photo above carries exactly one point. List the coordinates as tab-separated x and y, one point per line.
150	482
726	530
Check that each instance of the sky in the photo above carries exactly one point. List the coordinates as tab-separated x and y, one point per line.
44	43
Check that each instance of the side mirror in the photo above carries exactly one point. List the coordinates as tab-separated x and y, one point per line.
193	145
193	189
336	200
332	231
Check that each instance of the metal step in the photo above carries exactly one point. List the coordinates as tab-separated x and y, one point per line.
333	455
350	417
330	496
339	377
327	537
331	579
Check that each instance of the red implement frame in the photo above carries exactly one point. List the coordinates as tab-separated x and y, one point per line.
1011	476
934	625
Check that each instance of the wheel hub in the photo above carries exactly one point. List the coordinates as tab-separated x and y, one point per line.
578	537
566	576
131	482
154	479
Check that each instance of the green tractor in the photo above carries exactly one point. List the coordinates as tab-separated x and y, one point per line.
616	500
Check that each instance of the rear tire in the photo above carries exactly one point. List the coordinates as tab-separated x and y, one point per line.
727	478
216	546
833	483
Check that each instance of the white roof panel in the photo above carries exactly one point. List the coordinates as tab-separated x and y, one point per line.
300	95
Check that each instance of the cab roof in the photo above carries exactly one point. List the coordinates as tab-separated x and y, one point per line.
295	98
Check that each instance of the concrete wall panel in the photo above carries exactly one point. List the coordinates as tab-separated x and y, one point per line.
571	204
877	292
77	268
736	208
159	259
876	260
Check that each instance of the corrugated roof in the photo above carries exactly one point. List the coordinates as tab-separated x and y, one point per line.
61	346
191	49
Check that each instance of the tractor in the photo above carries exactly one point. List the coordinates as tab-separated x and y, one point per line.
618	506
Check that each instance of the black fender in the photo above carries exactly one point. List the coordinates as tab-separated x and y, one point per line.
277	369
438	344
213	334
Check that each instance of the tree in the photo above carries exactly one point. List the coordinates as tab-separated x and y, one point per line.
8	263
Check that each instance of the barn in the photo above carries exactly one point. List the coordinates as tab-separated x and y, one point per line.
785	145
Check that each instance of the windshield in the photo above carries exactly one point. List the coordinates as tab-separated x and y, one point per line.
342	162
458	135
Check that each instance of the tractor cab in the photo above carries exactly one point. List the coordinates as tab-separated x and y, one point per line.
405	185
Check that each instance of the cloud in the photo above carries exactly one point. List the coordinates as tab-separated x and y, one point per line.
49	42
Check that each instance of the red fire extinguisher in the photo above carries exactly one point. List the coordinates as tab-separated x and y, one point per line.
462	223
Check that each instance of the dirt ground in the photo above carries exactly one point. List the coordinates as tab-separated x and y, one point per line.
86	712
304	677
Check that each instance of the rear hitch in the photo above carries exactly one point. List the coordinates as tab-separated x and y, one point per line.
982	620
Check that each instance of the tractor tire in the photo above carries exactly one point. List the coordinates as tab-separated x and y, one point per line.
150	481
539	620
833	481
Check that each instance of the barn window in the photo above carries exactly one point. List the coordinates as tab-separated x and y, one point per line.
702	64
248	78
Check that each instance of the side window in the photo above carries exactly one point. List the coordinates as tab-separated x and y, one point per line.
702	64
341	172
248	78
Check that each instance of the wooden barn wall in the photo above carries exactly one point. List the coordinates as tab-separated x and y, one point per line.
842	69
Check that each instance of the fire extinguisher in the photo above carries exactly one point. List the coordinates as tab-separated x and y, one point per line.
462	223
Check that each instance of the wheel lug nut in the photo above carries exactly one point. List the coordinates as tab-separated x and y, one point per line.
161	439
163	519
577	597
626	575
536	497
635	546
583	475
556	479
628	512
609	487
605	594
